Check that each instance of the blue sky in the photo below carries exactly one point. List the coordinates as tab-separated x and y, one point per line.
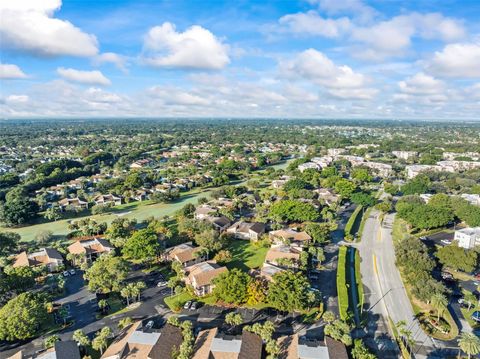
305	59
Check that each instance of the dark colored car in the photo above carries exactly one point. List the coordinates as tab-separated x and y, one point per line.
476	316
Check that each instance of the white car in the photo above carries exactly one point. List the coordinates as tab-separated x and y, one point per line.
72	271
66	273
161	284
446	241
149	325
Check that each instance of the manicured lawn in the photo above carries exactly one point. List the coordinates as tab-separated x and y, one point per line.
138	210
176	302
246	255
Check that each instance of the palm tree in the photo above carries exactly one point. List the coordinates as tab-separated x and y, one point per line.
139	287
469	343
405	334
126	293
439	302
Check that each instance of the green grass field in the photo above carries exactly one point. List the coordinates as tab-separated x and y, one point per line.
138	210
246	255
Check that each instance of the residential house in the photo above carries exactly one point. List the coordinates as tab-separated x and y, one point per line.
308	165
220	223
327	196
323	162
204	211
405	155
281	182
72	203
134	342
48	257
383	169
283	256
147	162
354	160
268	270
90	248
210	344
201	275
473	199
453	155
67	349
458	165
186	254
295	347
141	195
335	151
108	199
290	237
414	170
468	237
245	230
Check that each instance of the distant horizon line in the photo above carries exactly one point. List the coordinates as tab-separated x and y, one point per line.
232	118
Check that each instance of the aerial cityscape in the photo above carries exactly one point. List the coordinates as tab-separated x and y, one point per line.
239	180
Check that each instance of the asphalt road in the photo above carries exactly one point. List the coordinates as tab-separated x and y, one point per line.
377	334
82	308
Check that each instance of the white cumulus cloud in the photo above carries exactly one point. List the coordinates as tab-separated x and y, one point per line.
460	60
421	84
84	77
195	48
311	23
10	71
30	25
342	81
119	61
392	38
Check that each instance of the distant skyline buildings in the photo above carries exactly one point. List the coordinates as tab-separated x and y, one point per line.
269	59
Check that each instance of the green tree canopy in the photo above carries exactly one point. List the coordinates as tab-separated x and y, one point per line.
22	317
231	287
292	210
107	274
142	246
289	291
457	258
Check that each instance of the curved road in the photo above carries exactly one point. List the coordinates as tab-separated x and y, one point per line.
384	291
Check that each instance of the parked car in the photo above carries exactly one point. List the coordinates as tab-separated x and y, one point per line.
476	316
446	241
149	325
72	271
161	284
66	273
195	306
187	305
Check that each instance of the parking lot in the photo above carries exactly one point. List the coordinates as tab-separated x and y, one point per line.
442	238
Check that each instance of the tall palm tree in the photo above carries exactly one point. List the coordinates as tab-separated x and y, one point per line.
469	343
439	302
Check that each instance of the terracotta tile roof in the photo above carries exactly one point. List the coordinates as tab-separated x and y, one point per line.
290	234
121	341
287	252
203	273
183	252
95	245
43	256
21	260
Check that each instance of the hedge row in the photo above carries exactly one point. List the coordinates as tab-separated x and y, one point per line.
351	221
342	289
